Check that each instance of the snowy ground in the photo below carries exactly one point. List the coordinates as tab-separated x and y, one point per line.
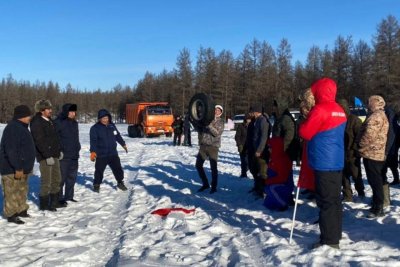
229	228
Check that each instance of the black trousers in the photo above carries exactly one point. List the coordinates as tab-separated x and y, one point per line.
375	178
177	137
69	172
211	153
328	185
187	141
243	163
115	165
392	164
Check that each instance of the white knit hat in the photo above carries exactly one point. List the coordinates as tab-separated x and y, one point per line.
220	107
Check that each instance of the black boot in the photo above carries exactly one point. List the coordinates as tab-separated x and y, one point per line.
377	212
44	202
53	202
24	214
15	219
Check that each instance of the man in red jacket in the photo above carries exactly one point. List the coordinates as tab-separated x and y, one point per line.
324	131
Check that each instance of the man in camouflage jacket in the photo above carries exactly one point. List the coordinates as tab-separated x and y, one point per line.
371	146
210	142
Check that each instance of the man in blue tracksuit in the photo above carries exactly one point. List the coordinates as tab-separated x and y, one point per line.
104	136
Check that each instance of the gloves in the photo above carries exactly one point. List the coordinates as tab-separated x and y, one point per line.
50	161
240	149
125	148
61	156
93	156
19	174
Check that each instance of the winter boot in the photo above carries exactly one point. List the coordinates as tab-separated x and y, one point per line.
15	219
386	196
96	188
44	202
53	202
204	187
377	212
23	214
122	186
56	202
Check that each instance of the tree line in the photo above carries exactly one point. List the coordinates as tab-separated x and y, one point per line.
257	75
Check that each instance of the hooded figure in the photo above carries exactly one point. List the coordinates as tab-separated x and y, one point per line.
104	137
371	146
68	133
323	129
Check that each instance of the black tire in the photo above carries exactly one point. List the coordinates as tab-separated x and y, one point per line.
130	131
168	134
201	110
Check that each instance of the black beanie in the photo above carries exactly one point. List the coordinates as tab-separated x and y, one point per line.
257	107
22	111
73	107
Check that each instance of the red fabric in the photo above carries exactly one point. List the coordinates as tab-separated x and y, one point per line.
166	211
306	177
280	165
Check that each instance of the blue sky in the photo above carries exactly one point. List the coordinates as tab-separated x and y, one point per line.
97	43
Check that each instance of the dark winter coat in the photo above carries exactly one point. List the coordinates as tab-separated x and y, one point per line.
17	149
68	133
391	146
285	127
353	127
177	125
241	135
251	150
104	138
186	125
260	135
45	137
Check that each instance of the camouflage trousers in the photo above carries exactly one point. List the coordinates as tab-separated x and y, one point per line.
15	194
50	178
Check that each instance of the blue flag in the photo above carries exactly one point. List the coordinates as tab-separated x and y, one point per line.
358	102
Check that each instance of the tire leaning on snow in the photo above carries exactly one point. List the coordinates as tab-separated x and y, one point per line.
201	110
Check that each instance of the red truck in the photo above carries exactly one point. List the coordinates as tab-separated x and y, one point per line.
149	119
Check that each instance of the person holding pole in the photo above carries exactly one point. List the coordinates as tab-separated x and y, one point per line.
324	129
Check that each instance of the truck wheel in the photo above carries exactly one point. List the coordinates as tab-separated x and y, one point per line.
201	110
131	130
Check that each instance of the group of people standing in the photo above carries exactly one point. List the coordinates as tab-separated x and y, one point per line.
182	127
267	151
55	145
334	142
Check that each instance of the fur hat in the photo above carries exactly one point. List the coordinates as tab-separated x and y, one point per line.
22	111
42	105
73	107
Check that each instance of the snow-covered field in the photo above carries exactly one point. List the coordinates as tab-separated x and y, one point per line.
229	228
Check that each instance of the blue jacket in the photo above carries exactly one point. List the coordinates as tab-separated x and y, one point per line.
17	149
104	138
68	134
